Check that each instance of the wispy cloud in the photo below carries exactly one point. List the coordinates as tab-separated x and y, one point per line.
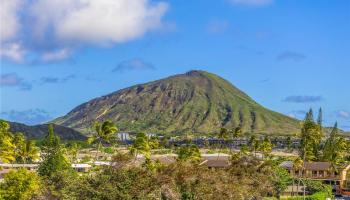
50	79
291	56
12	51
133	65
343	114
265	80
251	2
30	117
303	99
53	29
13	80
217	26
57	55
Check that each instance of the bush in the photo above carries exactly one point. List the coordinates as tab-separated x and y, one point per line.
20	184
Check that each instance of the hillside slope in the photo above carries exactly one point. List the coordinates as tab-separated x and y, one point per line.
197	102
40	131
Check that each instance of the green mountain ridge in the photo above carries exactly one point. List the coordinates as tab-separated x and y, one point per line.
194	102
39	131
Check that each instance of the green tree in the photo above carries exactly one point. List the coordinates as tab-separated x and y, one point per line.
189	153
73	150
280	180
28	152
53	156
7	148
254	144
289	143
335	147
104	132
223	137
265	147
310	136
297	165
20	185
141	145
320	119
244	150
25	150
237	132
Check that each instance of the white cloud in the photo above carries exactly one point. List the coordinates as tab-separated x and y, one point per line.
251	2
133	64
53	26
97	22
9	20
12	51
55	55
9	28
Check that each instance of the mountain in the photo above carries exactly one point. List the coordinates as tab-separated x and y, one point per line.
39	131
194	102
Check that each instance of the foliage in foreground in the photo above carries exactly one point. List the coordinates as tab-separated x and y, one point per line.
245	179
20	185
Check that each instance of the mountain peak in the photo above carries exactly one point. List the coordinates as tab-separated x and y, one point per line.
196	102
196	73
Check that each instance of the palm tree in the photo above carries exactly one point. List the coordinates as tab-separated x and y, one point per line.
223	135
28	152
254	144
141	145
104	132
297	165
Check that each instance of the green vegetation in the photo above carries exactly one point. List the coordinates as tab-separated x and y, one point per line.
187	177
311	135
20	185
54	159
189	153
15	147
104	133
196	102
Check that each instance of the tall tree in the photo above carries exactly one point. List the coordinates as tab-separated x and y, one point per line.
280	180
73	150
265	147
52	154
237	132
297	166
7	148
335	147
223	137
289	143
141	145
254	144
189	153
310	138
104	132
27	152
320	118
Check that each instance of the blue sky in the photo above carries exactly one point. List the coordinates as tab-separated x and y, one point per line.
288	55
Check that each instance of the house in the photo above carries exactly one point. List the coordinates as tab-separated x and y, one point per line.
81	167
337	176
